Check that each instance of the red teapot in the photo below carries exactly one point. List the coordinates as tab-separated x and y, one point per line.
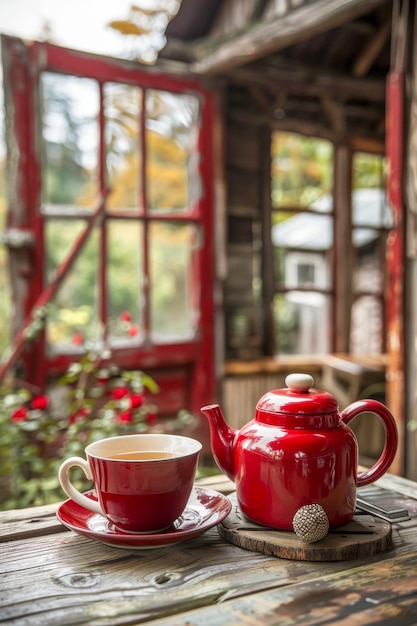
297	451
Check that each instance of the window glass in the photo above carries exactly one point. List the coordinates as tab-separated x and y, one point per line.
301	326
173	182
70	132
371	221
60	236
174	296
122	109
302	245
368	272
301	169
367	325
170	247
302	241
125	280
73	312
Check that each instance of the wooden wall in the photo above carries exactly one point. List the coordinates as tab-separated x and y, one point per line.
243	286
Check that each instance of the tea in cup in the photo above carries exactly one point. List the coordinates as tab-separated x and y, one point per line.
143	482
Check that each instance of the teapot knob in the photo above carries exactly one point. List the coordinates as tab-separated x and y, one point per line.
300	383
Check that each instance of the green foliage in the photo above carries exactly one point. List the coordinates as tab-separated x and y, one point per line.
93	400
368	171
302	169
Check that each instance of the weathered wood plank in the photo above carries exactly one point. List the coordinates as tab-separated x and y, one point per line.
25	523
275	34
74	580
378	593
34	527
367	56
67	579
304	81
78	581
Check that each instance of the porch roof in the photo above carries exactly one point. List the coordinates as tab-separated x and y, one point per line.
316	67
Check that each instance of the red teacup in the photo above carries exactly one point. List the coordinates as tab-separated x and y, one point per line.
143	482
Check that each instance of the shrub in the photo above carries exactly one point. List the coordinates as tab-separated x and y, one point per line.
93	400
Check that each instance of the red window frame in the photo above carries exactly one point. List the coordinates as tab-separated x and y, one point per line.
185	371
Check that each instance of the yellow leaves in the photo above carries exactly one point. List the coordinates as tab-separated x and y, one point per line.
125	186
167	172
126	27
165	148
148	24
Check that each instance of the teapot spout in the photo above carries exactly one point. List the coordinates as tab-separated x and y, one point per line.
222	439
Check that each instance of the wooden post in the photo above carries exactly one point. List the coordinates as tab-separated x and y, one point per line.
343	251
395	242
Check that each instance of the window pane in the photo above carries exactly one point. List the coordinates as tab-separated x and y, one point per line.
125	280
70	140
371	209
60	236
172	129
366	326
372	219
369	273
301	169
122	105
73	314
302	245
303	241
368	171
302	323
174	297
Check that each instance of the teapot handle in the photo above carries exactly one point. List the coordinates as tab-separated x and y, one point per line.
391	437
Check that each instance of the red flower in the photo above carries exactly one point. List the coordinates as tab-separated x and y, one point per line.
20	414
82	412
151	419
125	417
136	400
133	331
40	402
119	392
77	339
125	316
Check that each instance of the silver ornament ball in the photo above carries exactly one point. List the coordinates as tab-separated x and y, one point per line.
311	523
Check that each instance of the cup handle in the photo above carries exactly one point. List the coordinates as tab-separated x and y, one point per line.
68	487
391	437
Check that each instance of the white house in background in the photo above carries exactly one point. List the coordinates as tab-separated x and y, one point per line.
307	239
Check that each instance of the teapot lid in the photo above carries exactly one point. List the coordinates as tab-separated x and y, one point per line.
298	398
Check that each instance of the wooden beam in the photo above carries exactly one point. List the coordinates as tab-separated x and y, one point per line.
359	138
366	144
264	38
306	83
283	103
371	51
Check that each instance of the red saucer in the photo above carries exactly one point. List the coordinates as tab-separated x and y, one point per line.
204	509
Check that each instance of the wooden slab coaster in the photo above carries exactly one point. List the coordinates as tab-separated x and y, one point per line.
363	536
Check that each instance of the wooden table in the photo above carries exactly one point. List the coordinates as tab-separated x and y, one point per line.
52	576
